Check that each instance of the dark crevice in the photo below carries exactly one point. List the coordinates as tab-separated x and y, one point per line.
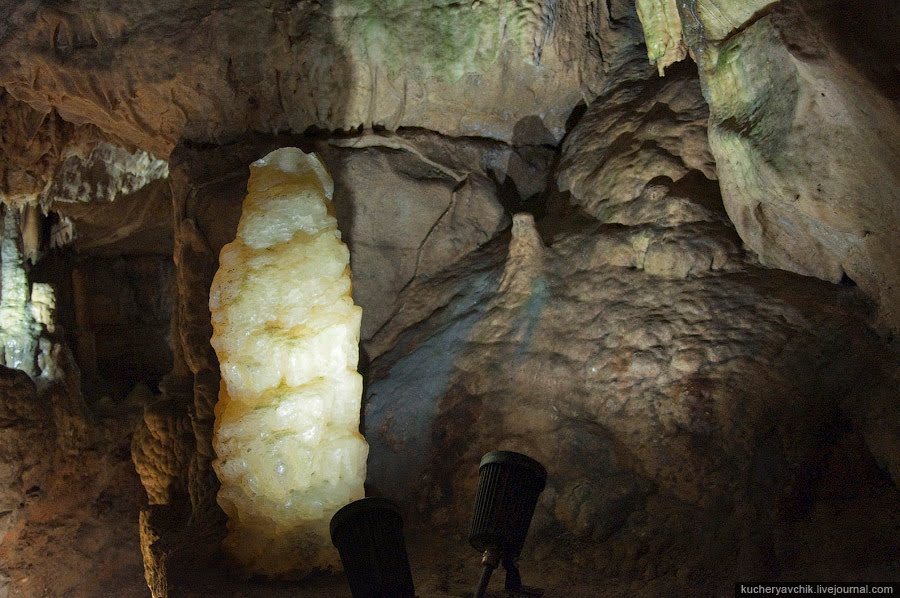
846	281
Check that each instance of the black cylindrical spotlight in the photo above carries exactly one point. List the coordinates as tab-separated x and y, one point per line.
368	534
508	488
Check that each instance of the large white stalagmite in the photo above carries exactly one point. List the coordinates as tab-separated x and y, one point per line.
287	335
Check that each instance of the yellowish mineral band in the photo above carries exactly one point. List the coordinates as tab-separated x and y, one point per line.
286	332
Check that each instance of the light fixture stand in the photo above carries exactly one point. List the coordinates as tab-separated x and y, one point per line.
508	488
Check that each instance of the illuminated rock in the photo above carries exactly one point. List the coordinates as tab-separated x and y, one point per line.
662	32
286	332
18	330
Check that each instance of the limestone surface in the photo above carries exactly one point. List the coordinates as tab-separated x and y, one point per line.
68	493
26	436
412	204
805	135
640	128
34	144
662	31
19	332
693	392
659	287
150	76
108	172
807	152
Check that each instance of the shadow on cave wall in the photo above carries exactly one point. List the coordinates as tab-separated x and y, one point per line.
867	34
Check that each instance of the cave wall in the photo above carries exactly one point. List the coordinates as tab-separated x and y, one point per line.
803	129
677	292
689	377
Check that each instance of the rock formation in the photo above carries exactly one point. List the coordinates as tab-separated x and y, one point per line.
650	243
286	332
805	142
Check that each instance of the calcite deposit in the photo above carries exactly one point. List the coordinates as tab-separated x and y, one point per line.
26	310
662	32
481	68
799	125
18	330
286	332
651	243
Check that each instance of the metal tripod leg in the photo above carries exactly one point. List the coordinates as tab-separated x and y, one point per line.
514	580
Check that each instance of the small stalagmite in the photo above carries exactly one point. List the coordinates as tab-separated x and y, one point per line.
286	331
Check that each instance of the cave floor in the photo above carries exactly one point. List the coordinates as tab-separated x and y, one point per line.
442	568
77	536
446	567
76	532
